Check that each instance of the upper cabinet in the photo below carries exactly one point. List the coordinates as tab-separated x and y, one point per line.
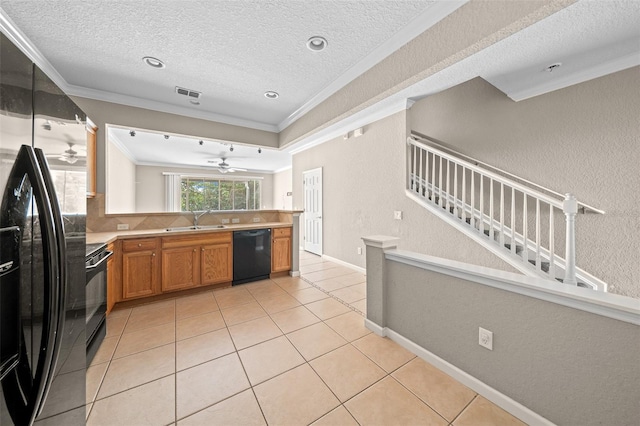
92	131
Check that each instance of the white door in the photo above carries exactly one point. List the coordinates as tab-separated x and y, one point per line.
313	211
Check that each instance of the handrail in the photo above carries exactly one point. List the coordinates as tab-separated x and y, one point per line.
470	160
431	174
532	192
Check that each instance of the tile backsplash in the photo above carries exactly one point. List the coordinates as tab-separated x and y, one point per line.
98	221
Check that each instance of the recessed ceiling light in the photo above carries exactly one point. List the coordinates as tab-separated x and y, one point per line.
153	62
271	95
317	43
194	102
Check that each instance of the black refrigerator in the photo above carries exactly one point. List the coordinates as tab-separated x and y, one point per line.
42	247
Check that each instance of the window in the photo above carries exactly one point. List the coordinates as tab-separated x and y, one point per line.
210	193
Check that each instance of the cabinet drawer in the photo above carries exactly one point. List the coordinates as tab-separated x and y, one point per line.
140	244
281	232
197	238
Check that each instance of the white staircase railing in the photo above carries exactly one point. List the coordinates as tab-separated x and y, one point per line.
520	223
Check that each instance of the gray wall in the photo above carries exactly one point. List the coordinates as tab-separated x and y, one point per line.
363	183
583	139
570	366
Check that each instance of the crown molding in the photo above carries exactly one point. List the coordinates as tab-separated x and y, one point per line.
133	101
369	115
429	17
122	147
11	30
282	169
598	70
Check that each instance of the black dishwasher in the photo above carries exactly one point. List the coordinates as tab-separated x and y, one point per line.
251	255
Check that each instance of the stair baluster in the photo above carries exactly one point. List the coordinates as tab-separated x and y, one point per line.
570	209
526	255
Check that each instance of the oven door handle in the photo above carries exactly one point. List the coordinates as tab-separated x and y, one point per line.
109	254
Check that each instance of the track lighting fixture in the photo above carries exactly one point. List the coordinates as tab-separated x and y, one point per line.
201	143
231	148
132	133
166	136
259	150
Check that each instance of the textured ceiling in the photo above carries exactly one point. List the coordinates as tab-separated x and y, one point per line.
232	51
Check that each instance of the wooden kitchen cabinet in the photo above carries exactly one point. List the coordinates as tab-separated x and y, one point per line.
114	288
92	132
281	249
217	263
180	268
140	265
195	260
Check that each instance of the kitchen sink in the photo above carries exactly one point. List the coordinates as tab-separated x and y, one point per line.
195	228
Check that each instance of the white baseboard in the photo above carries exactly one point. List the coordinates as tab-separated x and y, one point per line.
380	331
343	263
501	400
294	273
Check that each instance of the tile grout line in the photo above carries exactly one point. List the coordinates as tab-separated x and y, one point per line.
268	315
303	278
94	399
175	364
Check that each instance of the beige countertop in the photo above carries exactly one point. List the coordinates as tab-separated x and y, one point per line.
107	237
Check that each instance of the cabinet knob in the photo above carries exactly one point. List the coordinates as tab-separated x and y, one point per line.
139	244
153	254
203	250
194	250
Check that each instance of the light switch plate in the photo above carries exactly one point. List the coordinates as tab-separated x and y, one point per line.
123	226
397	215
235	220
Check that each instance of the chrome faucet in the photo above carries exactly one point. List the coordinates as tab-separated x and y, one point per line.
197	216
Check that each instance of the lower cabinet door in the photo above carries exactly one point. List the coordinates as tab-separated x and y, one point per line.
139	274
281	255
217	263
180	268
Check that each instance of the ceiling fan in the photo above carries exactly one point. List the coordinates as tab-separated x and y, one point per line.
69	156
223	166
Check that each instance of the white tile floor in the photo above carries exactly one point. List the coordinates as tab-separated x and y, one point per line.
287	351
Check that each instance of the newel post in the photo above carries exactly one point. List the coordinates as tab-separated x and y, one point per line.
377	245
570	209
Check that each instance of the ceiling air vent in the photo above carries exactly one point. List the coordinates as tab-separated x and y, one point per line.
190	93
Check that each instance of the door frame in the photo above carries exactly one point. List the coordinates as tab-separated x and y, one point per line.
307	217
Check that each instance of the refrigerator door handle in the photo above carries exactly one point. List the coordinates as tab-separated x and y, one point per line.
25	391
60	285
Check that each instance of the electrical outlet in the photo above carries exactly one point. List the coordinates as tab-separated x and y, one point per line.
123	226
397	215
256	219
225	221
235	220
485	338
359	250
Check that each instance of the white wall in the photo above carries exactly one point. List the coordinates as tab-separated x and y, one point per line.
283	185
121	182
151	183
